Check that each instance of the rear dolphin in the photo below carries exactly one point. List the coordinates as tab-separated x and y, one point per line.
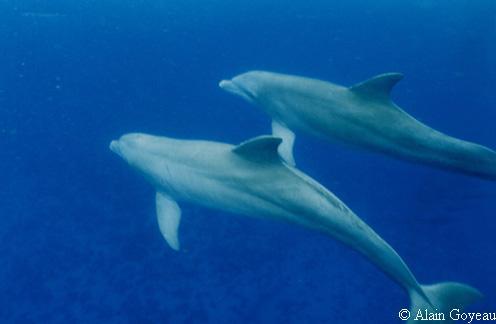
251	179
362	115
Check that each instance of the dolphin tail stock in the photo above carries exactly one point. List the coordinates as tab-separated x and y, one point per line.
442	297
480	161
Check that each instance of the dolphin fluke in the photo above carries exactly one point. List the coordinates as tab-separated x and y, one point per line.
442	298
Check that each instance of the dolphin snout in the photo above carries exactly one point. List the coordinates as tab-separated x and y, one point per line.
227	85
235	88
124	141
114	146
131	140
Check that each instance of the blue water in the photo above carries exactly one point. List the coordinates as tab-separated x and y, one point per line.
79	239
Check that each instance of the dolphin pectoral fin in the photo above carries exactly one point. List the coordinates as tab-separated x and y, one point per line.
169	217
378	87
260	149
288	138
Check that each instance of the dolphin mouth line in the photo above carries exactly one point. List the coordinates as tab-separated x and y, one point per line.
234	88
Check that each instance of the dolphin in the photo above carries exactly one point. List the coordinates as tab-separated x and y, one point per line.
362	115
252	179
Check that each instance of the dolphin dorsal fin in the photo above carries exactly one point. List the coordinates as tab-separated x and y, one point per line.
378	87
260	149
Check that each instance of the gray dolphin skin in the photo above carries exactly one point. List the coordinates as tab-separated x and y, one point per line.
362	115
251	179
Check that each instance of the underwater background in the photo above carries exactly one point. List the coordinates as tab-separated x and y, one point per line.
79	239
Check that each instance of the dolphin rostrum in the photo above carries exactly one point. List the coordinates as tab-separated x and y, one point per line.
362	115
252	179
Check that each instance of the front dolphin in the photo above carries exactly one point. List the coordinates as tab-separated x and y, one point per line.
362	115
251	179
